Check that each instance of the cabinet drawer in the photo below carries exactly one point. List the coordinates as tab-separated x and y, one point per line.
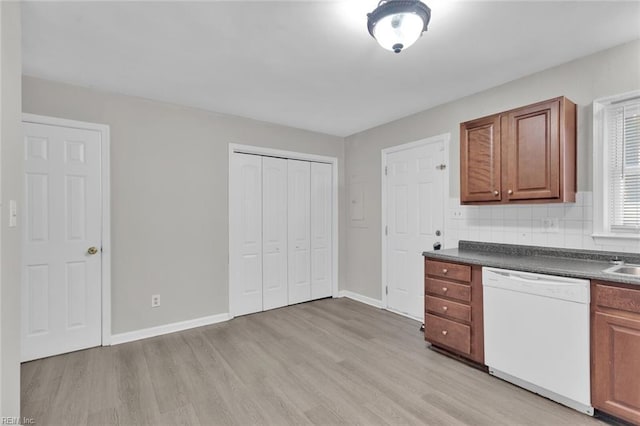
448	333
448	289
624	299
447	308
451	271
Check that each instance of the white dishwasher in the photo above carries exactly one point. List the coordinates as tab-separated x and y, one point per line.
536	334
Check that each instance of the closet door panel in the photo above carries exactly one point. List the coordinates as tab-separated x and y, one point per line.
299	233
245	260
321	232
274	232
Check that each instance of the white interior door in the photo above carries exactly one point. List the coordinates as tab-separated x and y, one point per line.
274	232
245	257
299	231
321	211
61	277
415	211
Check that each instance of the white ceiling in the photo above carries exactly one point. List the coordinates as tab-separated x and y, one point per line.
309	64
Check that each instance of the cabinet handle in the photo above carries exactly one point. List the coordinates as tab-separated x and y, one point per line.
496	193
444	271
509	192
444	308
444	289
444	332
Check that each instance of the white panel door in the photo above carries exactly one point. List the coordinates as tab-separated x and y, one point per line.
321	210
61	276
245	234
299	208
415	200
274	232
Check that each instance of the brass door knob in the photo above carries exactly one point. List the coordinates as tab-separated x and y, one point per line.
510	192
496	193
92	250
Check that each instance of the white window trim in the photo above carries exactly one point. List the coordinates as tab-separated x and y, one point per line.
601	229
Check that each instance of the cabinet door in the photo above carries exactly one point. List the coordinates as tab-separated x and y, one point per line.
615	385
299	212
480	158
532	147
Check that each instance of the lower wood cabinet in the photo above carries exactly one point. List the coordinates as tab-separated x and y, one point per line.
615	350
453	308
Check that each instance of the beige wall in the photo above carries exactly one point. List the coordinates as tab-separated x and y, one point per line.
169	184
613	71
11	189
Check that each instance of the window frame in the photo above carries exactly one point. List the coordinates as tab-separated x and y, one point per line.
602	232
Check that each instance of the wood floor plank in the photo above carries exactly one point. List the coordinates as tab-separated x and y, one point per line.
332	361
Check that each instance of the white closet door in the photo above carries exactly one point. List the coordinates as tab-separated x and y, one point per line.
321	175
245	261
274	232
299	231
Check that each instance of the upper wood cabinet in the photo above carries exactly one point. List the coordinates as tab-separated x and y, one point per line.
525	155
480	159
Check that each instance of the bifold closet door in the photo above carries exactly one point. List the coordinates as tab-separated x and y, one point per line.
299	215
274	232
245	261
321	232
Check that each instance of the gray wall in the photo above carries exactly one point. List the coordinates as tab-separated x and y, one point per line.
613	71
11	189
169	185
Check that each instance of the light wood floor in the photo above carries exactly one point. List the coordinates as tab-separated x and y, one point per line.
333	361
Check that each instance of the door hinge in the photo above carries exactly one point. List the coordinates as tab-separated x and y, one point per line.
386	230
441	166
386	289
386	170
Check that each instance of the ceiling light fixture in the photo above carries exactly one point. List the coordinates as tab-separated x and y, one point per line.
397	24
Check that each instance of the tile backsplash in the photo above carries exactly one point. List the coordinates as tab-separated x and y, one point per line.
552	225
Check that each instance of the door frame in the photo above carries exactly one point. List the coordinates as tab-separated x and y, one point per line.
291	155
445	139
105	188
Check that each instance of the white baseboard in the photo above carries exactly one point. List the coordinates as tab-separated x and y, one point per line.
145	333
402	314
360	298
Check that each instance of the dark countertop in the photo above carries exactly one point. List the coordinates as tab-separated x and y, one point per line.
562	262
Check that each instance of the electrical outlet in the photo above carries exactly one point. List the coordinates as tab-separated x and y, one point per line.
458	213
551	225
155	300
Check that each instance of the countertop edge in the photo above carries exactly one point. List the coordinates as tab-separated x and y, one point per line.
502	260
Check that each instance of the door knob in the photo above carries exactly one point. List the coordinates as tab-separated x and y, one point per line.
510	192
496	193
92	250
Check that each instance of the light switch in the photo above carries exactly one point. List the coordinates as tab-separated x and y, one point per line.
13	214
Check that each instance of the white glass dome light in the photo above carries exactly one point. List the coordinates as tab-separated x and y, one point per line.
397	24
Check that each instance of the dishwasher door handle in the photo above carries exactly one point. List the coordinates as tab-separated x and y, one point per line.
539	280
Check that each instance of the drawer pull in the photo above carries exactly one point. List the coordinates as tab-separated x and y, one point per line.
496	193
444	289
444	271
444	308
444	332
